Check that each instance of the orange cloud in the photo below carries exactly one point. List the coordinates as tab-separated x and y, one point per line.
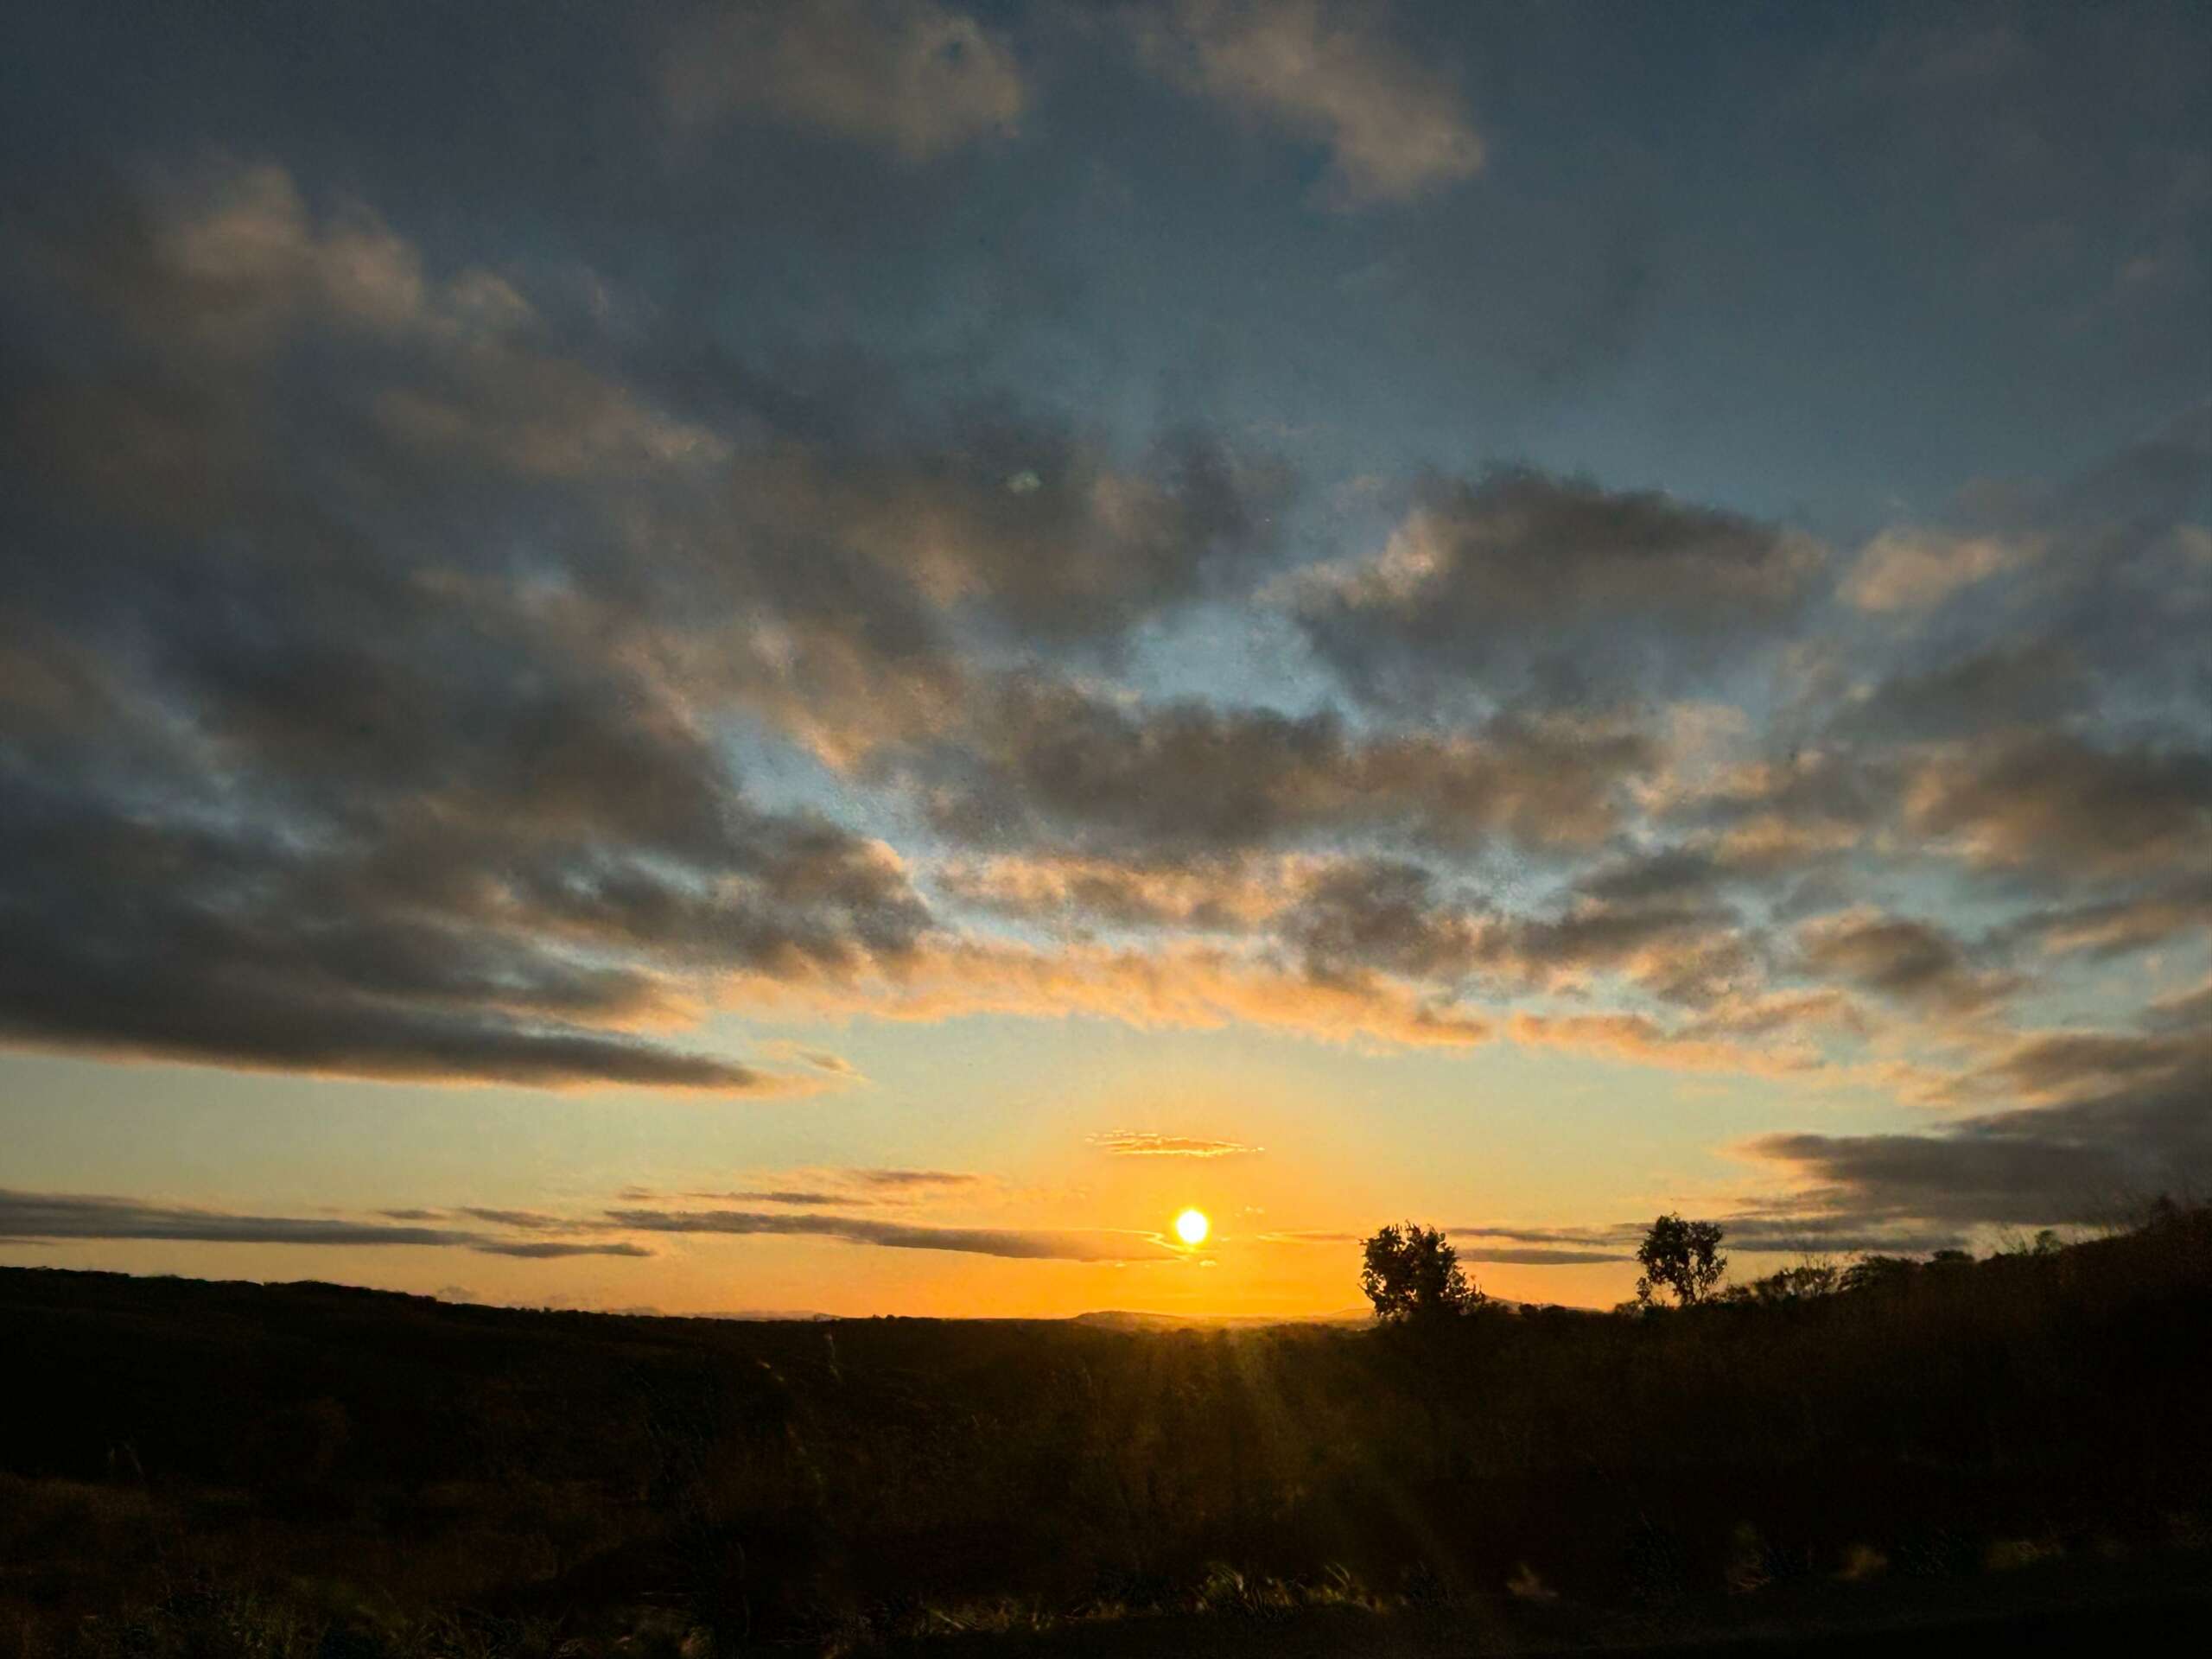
1190	985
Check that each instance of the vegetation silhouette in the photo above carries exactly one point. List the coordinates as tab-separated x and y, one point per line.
1413	1275
305	1471
1683	1258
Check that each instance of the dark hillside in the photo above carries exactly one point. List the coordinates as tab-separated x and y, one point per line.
355	1466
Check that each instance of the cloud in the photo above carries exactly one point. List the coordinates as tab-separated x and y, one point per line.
554	1249
1091	545
2056	801
1912	568
1379	913
1387	915
68	1216
1771	1231
836	1188
536	416
298	788
2114	1116
1523	580
1189	778
1716	1043
797	1196
413	680
233	260
1906	960
2004	687
524	1220
1495	1254
1780	816
1035	1246
2138	922
1183	984
1228	895
917	78
1146	1143
1395	126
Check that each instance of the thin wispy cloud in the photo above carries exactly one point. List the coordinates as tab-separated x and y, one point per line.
916	77
1020	1245
63	1217
1395	125
1146	1143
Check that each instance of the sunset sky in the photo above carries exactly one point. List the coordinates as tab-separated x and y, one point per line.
832	656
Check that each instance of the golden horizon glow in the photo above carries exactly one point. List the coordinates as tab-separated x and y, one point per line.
1192	1227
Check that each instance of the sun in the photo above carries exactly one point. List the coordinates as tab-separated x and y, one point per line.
1192	1226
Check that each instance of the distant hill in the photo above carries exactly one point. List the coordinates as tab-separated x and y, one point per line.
1128	1319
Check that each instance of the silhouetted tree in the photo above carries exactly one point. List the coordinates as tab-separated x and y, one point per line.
1411	1273
1870	1272
1797	1284
1681	1256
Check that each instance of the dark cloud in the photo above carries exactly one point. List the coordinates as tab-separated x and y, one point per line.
2125	1121
1523	582
1658	930
1780	1232
554	1249
1498	1254
1023	1245
1191	777
1795	812
65	1215
1754	1233
1385	914
290	784
2106	928
523	1220
2058	801
797	1197
1905	959
841	1188
2017	686
1037	529
2037	610
392	750
909	1178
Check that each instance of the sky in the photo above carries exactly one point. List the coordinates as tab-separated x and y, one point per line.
828	657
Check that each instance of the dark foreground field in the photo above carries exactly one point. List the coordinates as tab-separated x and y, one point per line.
2022	1444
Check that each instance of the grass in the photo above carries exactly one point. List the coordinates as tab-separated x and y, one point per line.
219	1469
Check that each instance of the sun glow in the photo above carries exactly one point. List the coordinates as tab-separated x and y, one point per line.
1192	1226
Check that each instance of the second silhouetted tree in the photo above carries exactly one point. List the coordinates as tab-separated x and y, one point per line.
1683	1257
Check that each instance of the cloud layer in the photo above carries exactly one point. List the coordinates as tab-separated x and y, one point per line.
891	511
67	1217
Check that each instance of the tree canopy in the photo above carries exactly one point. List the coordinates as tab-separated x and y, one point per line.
1682	1257
1411	1273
